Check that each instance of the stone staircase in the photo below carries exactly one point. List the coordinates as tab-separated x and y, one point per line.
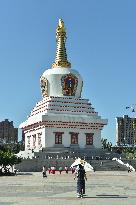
100	159
107	165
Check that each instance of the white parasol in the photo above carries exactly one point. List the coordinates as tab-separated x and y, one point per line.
86	165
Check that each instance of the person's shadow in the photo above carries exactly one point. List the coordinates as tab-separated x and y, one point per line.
106	196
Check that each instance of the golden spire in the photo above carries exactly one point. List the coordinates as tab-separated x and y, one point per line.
61	55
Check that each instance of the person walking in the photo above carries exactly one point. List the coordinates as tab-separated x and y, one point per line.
44	172
49	170
73	170
53	170
60	170
80	174
129	169
66	169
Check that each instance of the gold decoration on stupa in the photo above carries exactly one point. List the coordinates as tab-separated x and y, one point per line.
61	55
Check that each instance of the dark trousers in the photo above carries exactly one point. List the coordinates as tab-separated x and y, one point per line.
81	186
44	174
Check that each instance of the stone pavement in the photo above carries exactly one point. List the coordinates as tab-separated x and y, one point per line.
102	188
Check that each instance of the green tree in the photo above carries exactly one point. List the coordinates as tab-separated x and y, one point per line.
106	144
15	148
7	158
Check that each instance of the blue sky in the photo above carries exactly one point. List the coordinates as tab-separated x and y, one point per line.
101	45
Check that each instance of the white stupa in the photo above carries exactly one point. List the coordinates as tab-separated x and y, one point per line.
62	118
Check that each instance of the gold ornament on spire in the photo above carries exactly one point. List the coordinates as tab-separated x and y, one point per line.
61	55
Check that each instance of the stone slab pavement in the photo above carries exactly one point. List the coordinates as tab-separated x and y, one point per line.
102	188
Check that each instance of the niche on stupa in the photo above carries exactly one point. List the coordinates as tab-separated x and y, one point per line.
44	86
69	84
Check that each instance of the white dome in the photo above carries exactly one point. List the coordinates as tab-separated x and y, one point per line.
61	82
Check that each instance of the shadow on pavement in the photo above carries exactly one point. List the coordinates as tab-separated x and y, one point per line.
24	173
95	197
107	196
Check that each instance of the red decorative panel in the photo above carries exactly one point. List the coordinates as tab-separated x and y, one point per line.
89	138
58	137
74	138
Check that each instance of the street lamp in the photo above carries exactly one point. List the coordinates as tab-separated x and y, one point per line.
132	107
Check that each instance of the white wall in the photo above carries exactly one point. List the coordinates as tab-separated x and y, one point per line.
66	137
31	138
97	139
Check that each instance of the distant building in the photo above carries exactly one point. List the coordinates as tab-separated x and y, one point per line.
126	130
8	134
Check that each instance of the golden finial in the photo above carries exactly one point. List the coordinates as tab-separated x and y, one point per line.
61	55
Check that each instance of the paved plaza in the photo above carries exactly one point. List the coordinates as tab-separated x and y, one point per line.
102	188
